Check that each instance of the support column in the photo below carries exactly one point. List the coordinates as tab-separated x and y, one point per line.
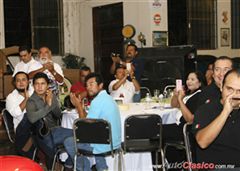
2	34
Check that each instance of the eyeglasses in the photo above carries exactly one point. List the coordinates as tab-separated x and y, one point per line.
91	84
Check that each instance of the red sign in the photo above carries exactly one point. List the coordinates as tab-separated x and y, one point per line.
157	19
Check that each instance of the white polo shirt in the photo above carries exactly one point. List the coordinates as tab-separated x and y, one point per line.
127	90
13	100
25	67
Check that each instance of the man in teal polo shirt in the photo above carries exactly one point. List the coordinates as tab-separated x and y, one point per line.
102	107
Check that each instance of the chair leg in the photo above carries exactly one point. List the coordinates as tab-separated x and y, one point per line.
163	160
120	160
156	160
54	161
34	154
75	163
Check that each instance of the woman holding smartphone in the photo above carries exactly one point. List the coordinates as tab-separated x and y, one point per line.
186	101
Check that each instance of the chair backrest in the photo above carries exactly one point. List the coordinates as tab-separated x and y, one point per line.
65	88
189	142
143	127
8	122
144	91
97	131
169	87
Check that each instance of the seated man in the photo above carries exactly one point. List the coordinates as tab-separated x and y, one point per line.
26	60
121	87
209	73
79	87
16	105
217	125
102	107
46	65
220	67
44	112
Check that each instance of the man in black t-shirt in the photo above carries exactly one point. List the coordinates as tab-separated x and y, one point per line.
220	67
217	125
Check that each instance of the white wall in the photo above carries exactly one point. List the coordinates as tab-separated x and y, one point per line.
78	32
222	6
140	15
78	29
2	39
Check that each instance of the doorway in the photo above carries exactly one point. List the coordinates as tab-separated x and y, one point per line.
107	30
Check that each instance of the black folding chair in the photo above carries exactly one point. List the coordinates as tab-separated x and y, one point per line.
144	91
143	133
9	126
187	144
8	122
60	149
93	131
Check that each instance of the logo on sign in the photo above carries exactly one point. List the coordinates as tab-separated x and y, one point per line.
156	4
157	19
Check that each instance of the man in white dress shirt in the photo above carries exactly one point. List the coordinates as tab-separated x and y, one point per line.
26	60
121	87
47	66
16	106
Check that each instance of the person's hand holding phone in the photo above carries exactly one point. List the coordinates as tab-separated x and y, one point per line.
128	66
115	58
178	85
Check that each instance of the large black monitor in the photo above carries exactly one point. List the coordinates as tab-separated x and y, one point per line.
163	65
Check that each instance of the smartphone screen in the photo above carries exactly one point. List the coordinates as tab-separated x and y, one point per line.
178	84
128	66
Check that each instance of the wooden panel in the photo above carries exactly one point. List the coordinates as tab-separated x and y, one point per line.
107	26
7	86
72	74
1	86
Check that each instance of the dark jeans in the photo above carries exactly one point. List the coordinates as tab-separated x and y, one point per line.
83	163
137	97
23	134
48	144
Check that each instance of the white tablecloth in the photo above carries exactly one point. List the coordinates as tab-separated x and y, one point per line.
133	161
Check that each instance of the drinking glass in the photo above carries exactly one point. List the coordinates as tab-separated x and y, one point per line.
156	93
161	101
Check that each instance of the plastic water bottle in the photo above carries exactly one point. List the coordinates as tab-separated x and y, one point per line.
148	100
161	101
